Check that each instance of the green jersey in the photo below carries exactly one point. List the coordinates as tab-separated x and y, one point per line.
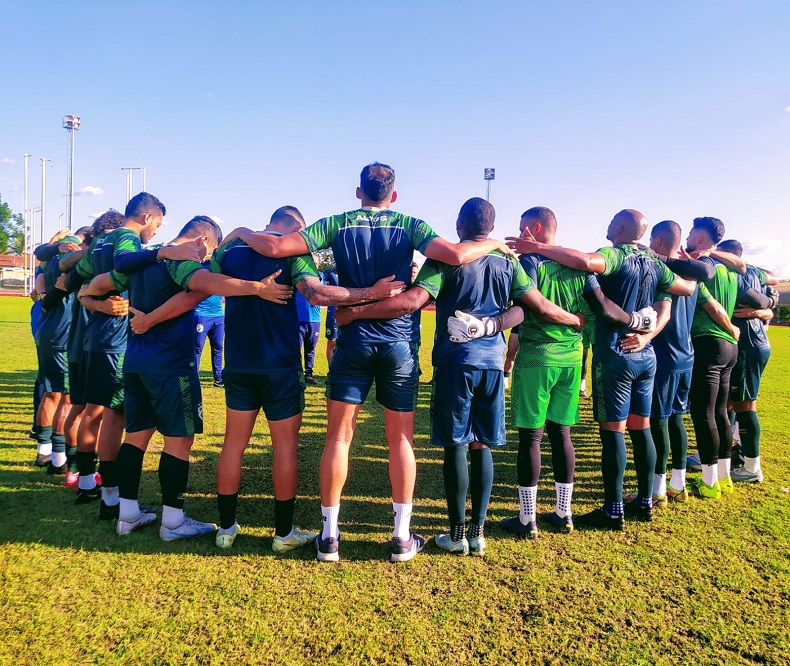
723	286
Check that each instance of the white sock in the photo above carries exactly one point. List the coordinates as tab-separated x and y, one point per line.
735	434
87	482
172	517
110	496
724	467
58	458
678	480
44	449
564	492
659	484
129	510
330	515
710	474
527	498
402	521
752	465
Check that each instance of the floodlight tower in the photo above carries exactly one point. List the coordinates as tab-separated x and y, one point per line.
44	161
72	124
128	171
488	176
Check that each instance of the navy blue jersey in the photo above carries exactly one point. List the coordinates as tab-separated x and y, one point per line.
483	288
260	336
79	320
631	279
369	245
672	345
167	348
53	324
753	333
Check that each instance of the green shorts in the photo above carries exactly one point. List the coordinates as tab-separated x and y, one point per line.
541	393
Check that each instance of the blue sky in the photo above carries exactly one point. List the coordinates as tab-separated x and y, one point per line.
678	109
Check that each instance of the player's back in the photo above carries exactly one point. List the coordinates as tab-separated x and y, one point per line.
723	287
753	333
673	343
53	328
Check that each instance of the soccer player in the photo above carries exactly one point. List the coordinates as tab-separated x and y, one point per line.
754	350
370	243
309	331
467	406
210	323
622	379
161	387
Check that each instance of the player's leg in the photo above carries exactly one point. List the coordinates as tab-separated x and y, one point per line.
310	343
110	439
87	443
200	339
216	338
44	411
239	425
745	405
705	378
728	353
638	425
59	459
72	424
678	439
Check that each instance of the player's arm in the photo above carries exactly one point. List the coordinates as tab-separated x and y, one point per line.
686	267
73	280
641	320
766	314
270	245
222	285
98	286
731	261
323	294
592	262
134	262
754	299
70	260
549	311
457	254
681	287
767	277
636	341
46	252
175	306
719	316
405	303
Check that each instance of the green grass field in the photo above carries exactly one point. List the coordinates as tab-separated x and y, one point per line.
705	583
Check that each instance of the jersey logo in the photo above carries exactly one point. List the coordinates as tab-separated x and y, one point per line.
199	328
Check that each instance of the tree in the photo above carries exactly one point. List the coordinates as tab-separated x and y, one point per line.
324	259
12	230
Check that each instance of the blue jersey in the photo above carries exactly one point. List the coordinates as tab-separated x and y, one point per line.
167	348
305	311
369	245
210	307
53	324
79	320
753	333
260	336
674	351
484	288
631	279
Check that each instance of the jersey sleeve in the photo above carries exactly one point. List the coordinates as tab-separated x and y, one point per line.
666	278
529	262
762	276
125	240
591	282
320	235
302	267
119	280
663	296
703	295
420	234
182	271
521	283
431	277
84	267
612	259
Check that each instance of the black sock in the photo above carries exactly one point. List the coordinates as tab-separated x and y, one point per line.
173	479
613	460
659	428
749	425
109	473
71	459
528	459
644	461
227	510
563	455
456	483
129	466
678	441
58	442
284	516
481	479
86	463
44	434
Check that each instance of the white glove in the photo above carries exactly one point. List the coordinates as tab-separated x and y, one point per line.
644	320
465	327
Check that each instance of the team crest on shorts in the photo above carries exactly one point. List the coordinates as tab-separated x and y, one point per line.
200	411
199	328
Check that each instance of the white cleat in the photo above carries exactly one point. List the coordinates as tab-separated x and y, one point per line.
189	528
123	527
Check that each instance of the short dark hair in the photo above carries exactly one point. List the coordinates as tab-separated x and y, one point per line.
668	231
202	225
143	203
377	181
545	215
732	246
713	226
477	216
108	221
284	212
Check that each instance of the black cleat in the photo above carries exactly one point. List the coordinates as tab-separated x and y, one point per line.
640	513
52	470
598	519
309	379
87	496
42	460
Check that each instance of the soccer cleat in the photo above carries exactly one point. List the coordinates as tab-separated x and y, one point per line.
42	460
326	550
599	519
659	501
726	486
56	471
702	490
641	513
32	434
456	547
86	496
693	463
403	550
515	526
189	528
559	524
296	539
477	546
737	459
71	480
112	511
225	538
309	379
123	527
676	495
218	384
742	475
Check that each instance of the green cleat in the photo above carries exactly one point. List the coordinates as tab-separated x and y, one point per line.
676	495
702	490
726	486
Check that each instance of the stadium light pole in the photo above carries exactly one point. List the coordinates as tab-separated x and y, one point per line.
128	171
488	176
44	161
72	124
29	266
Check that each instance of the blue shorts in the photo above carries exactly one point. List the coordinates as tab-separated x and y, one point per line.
103	379
467	405
392	365
748	370
670	393
172	404
53	369
279	394
77	382
622	385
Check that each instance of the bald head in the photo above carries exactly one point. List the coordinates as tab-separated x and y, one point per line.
628	226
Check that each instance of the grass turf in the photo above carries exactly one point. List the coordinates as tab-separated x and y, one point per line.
705	583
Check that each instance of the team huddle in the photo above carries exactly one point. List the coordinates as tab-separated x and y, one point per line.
675	331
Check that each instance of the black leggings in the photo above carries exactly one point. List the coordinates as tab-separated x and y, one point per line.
714	359
563	457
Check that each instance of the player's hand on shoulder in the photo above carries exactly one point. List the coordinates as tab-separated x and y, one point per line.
269	290
387	287
189	251
521	245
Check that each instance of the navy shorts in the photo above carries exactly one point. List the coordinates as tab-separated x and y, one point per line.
331	324
467	405
748	370
670	393
77	382
103	379
172	404
53	369
623	385
279	394
392	365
